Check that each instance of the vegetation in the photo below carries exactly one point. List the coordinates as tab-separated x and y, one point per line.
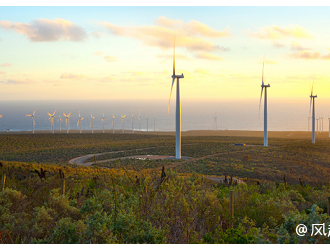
135	201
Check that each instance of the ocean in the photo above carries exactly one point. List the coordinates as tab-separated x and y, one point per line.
195	114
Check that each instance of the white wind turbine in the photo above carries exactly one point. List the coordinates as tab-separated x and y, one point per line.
33	123
265	105
103	121
79	121
67	122
215	121
92	123
313	114
317	126
59	120
139	121
132	123
178	109
51	118
122	121
113	124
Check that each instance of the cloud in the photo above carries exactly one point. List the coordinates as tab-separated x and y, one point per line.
72	76
110	58
5	65
191	28
189	35
98	53
306	55
2	72
278	45
297	47
107	79
19	81
208	56
44	30
276	32
202	71
97	34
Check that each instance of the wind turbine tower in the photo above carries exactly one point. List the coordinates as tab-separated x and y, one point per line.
51	117
178	109
67	122
33	123
215	122
317	126
313	113
122	121
103	121
265	105
92	123
59	120
139	121
79	121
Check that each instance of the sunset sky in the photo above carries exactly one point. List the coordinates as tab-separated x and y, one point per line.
51	53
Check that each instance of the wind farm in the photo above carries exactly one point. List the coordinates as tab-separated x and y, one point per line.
225	163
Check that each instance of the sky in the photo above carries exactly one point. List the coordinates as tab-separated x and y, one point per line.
118	53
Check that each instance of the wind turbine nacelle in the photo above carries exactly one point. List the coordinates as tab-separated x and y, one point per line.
178	76
265	86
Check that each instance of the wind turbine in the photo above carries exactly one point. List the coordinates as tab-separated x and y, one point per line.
147	122
92	123
132	123
59	120
139	121
265	105
122	121
317	126
215	121
313	114
67	122
103	121
113	124
51	118
79	121
33	123
154	122
178	109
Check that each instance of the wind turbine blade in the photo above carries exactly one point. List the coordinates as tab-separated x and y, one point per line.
49	114
262	88
82	118
64	114
28	115
169	101
34	122
34	111
54	112
263	66
69	114
77	123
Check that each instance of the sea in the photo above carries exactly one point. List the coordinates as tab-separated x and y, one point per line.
195	114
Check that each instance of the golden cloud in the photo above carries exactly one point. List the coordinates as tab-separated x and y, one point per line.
5	65
19	81
72	76
110	58
177	56
44	30
202	71
208	56
276	32
306	55
188	35
98	53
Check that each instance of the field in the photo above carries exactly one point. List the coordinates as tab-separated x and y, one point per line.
131	201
